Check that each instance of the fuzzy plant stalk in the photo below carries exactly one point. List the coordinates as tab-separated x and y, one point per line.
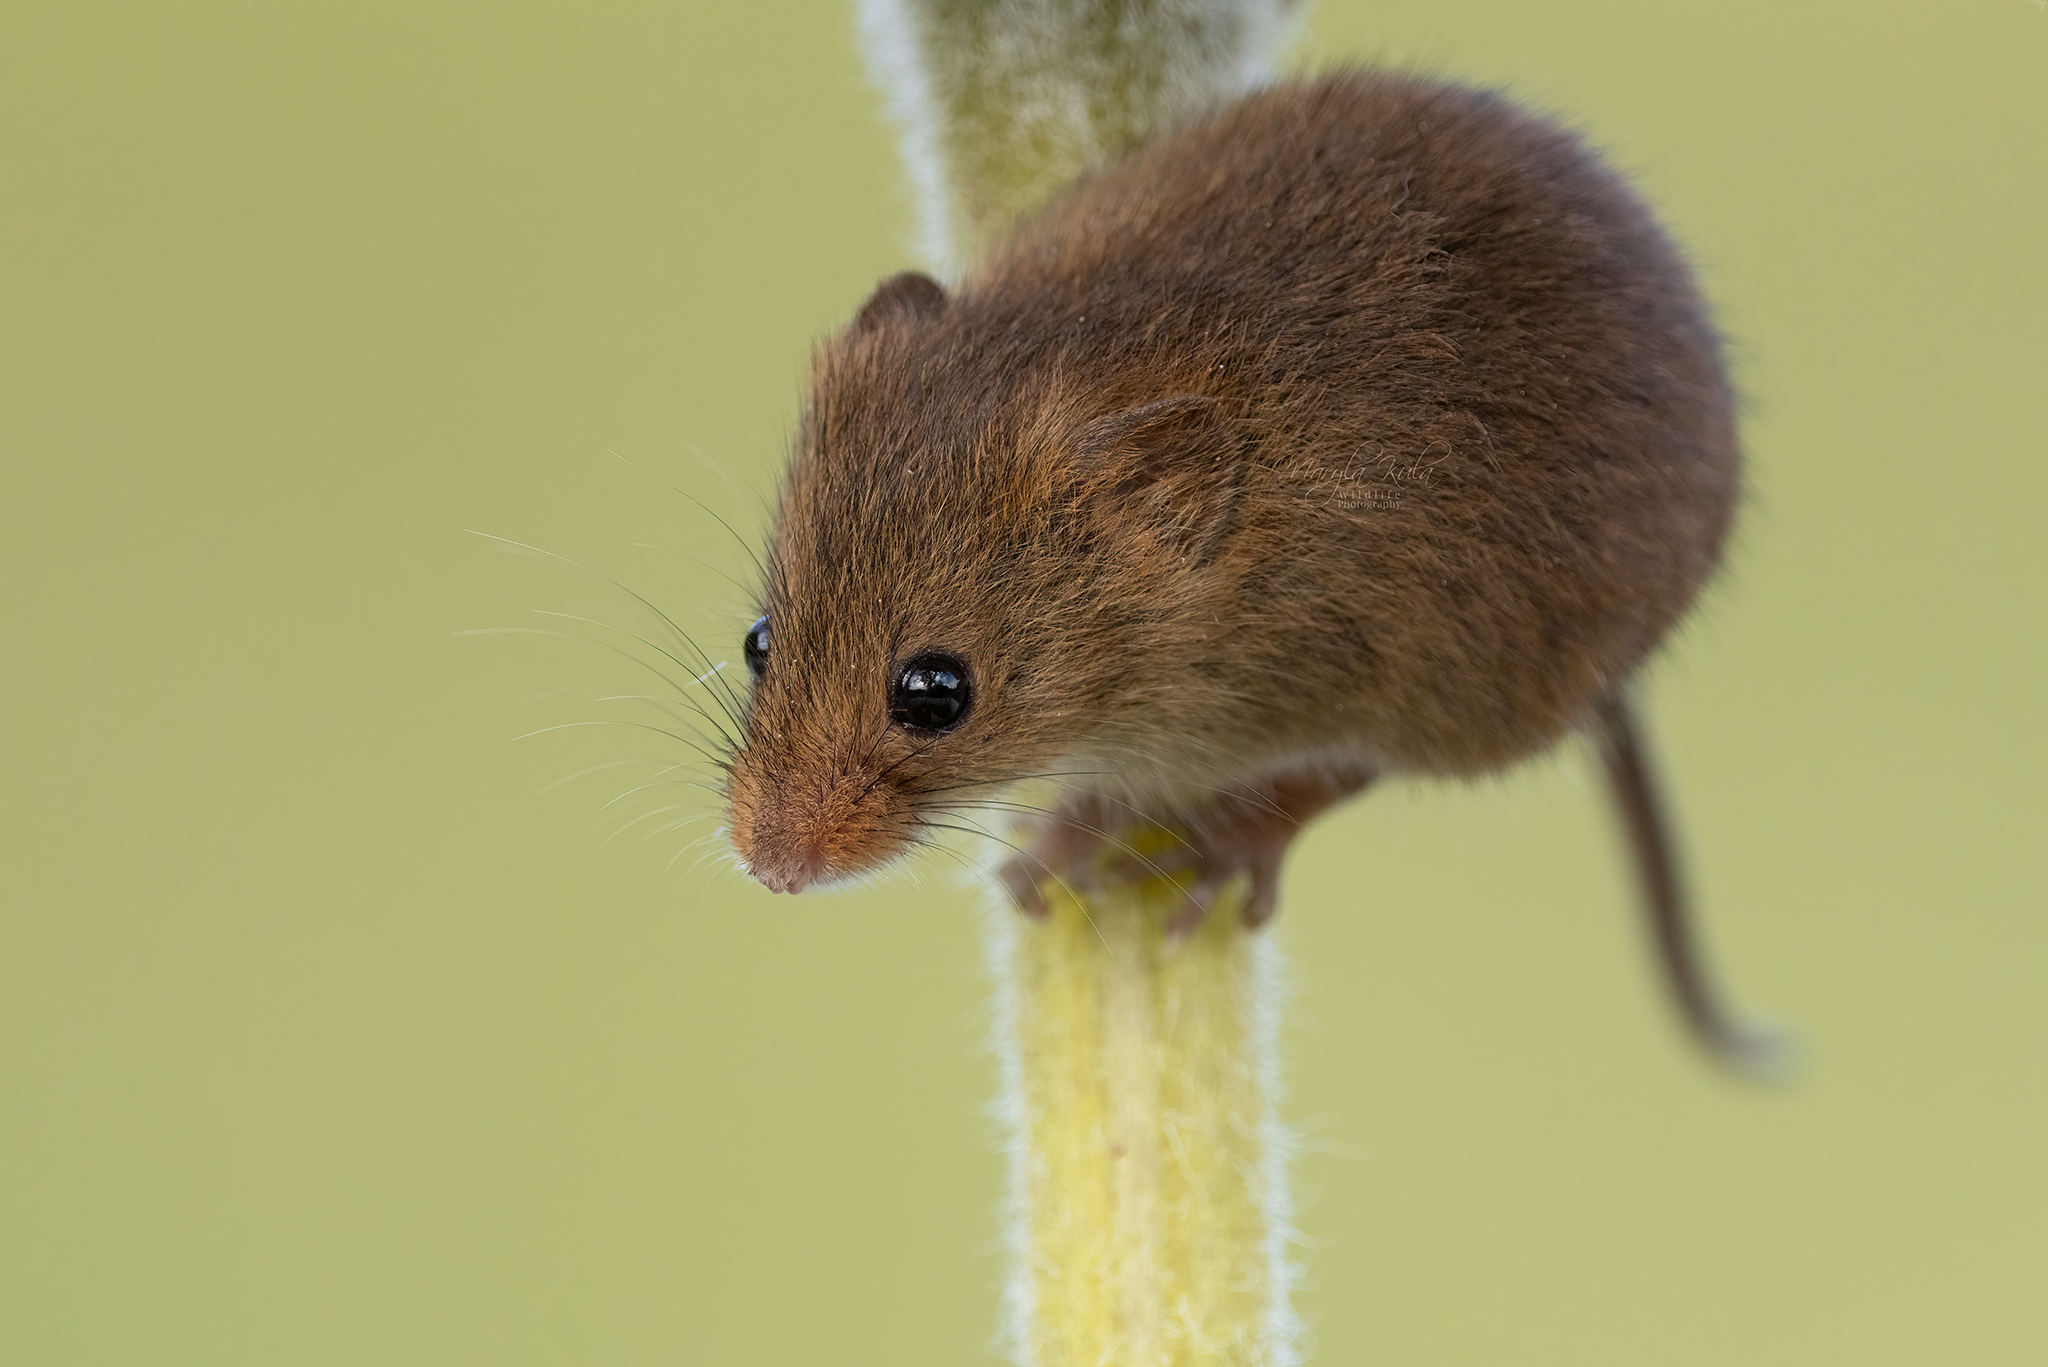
1002	102
1148	1209
1148	1213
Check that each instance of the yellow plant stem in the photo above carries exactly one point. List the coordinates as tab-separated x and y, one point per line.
1004	102
1149	1203
1148	1199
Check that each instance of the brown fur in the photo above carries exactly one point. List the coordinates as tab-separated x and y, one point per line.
1369	423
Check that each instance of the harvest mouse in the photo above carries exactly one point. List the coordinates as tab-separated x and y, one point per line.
1366	426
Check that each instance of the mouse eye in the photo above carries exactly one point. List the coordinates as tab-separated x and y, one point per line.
932	693
756	647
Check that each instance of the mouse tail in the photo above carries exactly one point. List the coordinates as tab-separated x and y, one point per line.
1674	935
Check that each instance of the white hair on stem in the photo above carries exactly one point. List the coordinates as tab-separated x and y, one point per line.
1147	1219
1002	102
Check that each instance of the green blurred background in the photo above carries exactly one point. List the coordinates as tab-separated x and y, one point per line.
330	1033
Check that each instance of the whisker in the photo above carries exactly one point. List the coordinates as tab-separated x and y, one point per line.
662	617
880	736
1005	804
974	829
893	767
677	825
661	705
745	544
695	844
749	589
658	783
1235	794
598	768
651	812
681	691
644	726
956	854
1157	872
1002	779
715	467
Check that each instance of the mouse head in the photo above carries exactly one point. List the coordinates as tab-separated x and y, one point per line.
972	579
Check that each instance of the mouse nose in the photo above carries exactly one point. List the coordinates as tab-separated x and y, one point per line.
785	877
793	831
782	855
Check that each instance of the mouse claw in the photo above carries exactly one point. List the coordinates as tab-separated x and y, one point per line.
1263	899
1022	881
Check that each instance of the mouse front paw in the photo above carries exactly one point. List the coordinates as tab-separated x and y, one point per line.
1091	843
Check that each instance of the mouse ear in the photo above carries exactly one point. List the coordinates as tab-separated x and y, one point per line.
1168	473
909	296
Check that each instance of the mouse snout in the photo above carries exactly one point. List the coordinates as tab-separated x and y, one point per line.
798	832
779	874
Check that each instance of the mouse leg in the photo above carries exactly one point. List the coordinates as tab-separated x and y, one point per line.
1092	842
1668	916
